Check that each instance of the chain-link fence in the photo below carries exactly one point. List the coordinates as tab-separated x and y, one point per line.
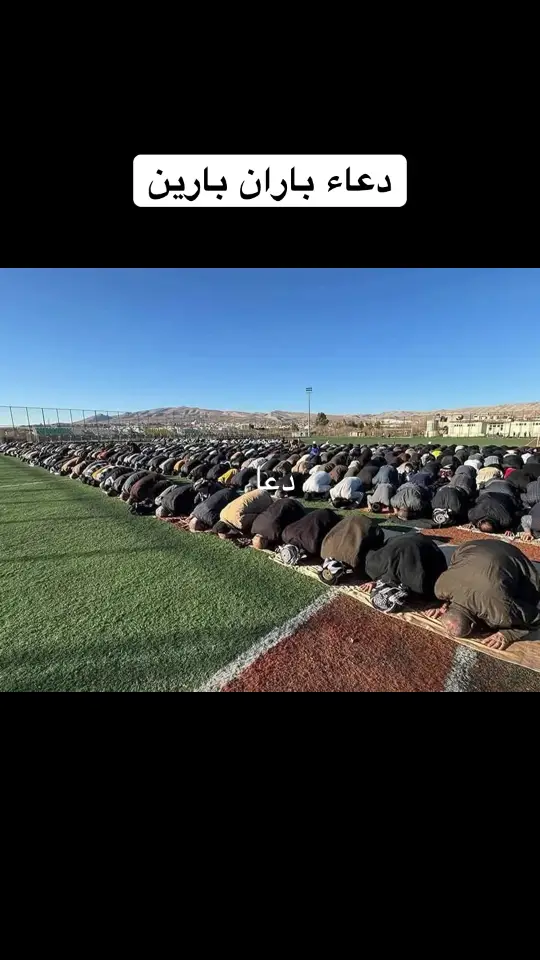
85	424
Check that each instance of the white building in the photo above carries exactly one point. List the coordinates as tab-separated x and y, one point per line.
491	427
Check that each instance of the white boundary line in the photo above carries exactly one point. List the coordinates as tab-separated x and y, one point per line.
244	660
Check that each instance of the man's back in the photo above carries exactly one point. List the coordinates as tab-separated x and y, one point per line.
487	577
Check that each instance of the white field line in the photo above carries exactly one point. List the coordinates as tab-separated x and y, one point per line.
463	661
262	646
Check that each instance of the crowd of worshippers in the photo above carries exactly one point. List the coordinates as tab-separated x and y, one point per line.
494	489
490	589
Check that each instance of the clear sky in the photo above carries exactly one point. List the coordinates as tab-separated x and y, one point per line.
365	340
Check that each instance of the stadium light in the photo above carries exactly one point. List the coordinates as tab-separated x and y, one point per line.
309	391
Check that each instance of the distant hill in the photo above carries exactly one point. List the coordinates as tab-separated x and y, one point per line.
201	415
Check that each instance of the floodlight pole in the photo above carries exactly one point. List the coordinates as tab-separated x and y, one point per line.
309	391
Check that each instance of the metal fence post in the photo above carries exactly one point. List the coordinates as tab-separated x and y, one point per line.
11	415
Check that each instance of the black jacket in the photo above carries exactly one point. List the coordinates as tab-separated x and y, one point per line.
179	499
209	510
242	477
309	532
412	560
216	471
271	523
499	508
132	479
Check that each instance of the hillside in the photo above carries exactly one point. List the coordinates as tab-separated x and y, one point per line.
188	415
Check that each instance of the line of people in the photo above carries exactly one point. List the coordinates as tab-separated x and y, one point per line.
489	586
496	490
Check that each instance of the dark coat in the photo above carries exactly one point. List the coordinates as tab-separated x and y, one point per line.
412	560
350	540
209	510
190	465
465	481
309	532
285	481
452	499
214	473
273	521
532	493
411	497
493	581
367	473
200	471
132	479
386	474
499	508
520	480
178	500
338	472
270	464
535	519
425	478
148	487
242	477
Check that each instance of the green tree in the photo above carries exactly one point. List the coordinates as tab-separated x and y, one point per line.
321	420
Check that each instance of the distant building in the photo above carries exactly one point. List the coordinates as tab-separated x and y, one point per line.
486	427
17	433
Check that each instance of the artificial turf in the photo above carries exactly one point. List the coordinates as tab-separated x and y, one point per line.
95	599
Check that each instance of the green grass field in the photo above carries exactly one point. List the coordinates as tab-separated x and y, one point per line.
93	598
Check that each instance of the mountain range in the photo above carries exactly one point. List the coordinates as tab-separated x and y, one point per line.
165	415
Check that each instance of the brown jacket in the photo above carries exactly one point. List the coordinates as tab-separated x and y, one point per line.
494	582
350	540
240	513
68	466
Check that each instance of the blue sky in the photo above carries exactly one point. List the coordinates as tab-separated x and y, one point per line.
366	340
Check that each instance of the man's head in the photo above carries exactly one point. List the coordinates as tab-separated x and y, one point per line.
403	513
457	622
487	526
223	530
196	526
260	542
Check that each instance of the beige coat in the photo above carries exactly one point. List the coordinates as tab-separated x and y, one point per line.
241	513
